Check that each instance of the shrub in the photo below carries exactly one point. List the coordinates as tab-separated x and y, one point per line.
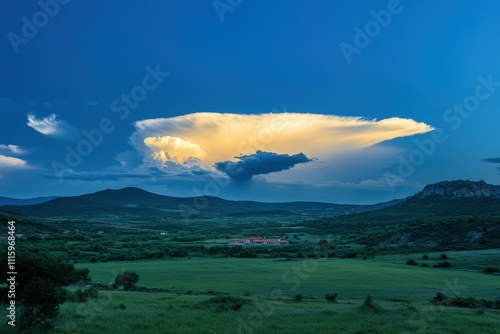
443	256
368	303
81	296
226	303
332	297
425	257
248	254
444	264
491	270
350	255
463	302
298	297
127	279
439	298
411	262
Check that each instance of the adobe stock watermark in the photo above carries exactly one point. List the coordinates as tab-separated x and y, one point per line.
364	36
121	107
453	117
251	144
30	27
223	6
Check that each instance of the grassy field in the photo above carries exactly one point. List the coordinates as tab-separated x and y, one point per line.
401	292
132	312
313	278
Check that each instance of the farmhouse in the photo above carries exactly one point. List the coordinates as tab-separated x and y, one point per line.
257	242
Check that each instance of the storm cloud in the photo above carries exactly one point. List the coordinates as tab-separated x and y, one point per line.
492	160
210	138
259	163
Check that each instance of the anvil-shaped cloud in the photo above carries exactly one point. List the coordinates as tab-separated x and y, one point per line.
203	139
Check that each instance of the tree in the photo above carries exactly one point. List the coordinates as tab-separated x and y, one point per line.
83	275
39	287
331	297
411	262
41	300
127	279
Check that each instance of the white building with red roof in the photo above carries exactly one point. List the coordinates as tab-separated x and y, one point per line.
257	242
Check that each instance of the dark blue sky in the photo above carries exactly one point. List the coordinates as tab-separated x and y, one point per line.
252	58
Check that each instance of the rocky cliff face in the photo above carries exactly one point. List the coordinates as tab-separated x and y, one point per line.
461	188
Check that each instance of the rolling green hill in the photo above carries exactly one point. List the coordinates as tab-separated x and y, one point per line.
134	204
434	217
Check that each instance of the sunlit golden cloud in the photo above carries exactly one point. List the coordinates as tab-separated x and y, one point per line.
214	137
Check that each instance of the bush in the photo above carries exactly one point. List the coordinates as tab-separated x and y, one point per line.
463	302
444	264
425	257
332	297
439	298
469	302
247	254
127	279
226	303
491	270
368	303
443	256
81	296
121	307
411	262
298	297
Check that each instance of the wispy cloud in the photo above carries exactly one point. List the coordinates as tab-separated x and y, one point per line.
92	103
52	126
96	175
10	162
9	149
214	137
8	103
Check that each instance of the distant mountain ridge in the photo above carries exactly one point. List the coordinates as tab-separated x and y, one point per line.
135	204
447	198
18	201
461	188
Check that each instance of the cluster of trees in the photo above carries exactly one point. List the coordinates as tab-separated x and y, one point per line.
443	264
40	287
466	302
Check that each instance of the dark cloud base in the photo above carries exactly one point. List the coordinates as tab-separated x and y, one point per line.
259	163
493	161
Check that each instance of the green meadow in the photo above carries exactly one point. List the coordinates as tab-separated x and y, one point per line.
313	278
182	288
132	312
